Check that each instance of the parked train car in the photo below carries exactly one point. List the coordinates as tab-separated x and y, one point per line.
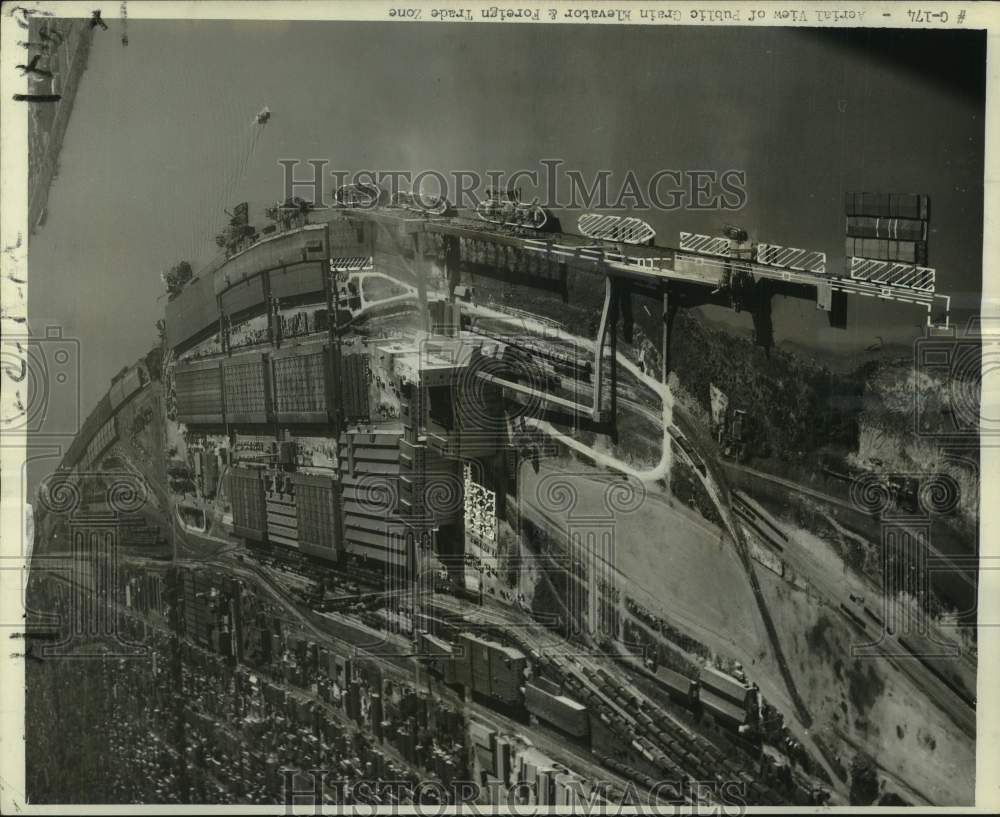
688	449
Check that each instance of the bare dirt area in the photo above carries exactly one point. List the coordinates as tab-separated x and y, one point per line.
866	704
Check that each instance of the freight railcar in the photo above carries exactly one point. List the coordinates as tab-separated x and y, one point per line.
688	449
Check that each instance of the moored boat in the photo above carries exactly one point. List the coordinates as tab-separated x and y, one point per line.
420	203
361	194
615	228
512	213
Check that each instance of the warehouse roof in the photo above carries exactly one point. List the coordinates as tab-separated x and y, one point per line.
719	706
674	680
724	684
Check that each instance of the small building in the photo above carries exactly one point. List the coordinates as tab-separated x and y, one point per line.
723	711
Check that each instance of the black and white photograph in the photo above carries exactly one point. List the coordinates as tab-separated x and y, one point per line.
475	409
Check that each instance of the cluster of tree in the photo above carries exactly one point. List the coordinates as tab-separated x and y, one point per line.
864	780
140	420
234	235
796	405
289	213
177	277
238	233
182	486
178	470
154	362
292	212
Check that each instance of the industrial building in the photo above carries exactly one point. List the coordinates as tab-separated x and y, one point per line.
890	227
246	385
729	701
298	510
369	472
439	656
193	315
489	668
246	494
76	454
298	250
726	686
724	711
281	509
125	387
301	384
400	438
564	713
318	514
354	388
198	386
294	385
291	266
679	687
206	469
100	429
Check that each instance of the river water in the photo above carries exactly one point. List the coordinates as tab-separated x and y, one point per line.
156	142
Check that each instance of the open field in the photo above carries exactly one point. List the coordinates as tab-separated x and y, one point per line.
668	558
871	705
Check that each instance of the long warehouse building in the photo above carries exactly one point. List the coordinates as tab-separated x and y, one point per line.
294	386
291	266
